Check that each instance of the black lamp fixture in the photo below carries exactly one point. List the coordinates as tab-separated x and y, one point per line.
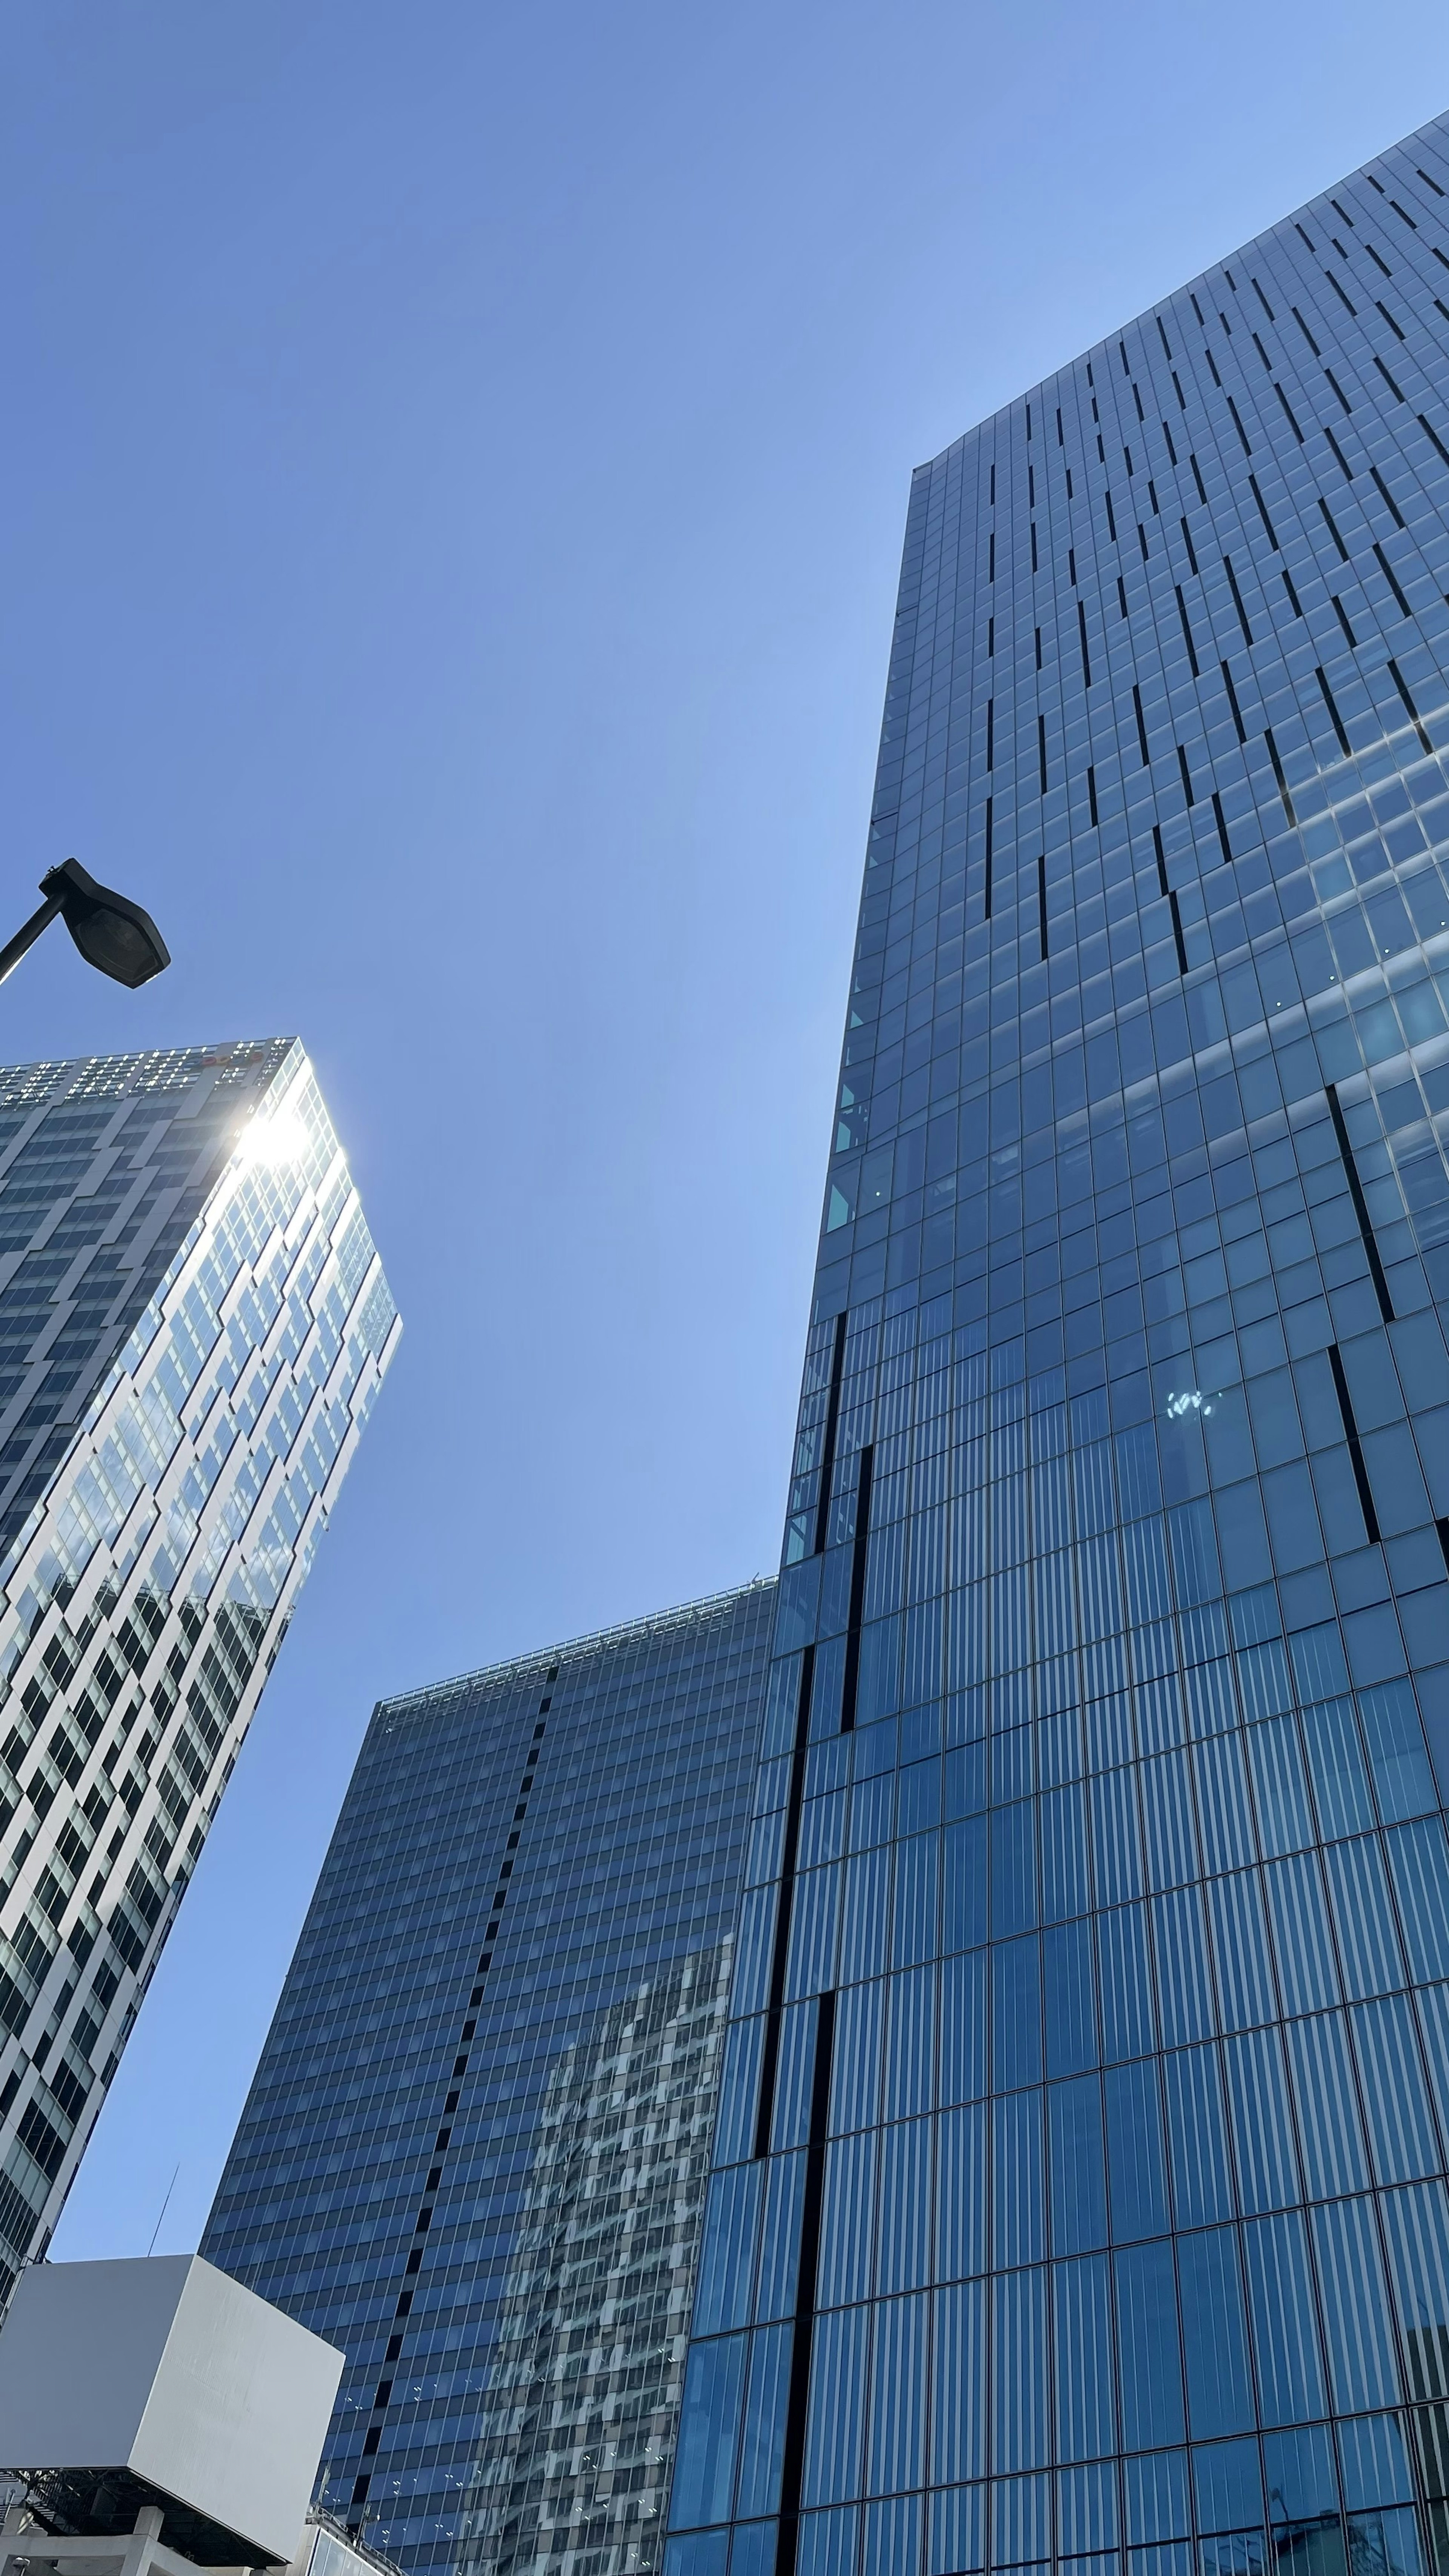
110	931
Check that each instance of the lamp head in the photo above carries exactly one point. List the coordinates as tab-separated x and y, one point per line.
110	932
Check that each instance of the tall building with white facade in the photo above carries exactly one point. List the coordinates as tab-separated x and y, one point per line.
193	1324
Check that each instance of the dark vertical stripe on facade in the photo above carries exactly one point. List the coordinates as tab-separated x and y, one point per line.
1355	1445
857	1590
1360	1206
770	2054
832	1423
382	2395
798	2400
1280	774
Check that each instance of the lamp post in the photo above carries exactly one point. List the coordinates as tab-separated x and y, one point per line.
110	931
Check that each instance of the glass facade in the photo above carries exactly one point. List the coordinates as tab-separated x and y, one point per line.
476	2149
193	1324
1079	2178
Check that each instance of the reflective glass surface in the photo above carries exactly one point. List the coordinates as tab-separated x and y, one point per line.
1079	2180
476	2149
193	1325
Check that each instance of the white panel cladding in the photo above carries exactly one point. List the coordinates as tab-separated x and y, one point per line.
144	1599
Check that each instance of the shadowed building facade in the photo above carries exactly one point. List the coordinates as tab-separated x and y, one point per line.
1080	2166
476	2148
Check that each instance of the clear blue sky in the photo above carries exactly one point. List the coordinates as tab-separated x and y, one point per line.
454	465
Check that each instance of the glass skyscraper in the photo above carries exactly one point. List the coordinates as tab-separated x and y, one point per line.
193	1325
476	2148
1080	2167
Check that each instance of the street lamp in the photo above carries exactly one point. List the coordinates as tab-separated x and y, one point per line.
110	932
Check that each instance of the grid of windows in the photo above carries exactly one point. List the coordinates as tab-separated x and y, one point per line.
1081	2154
476	2148
193	1325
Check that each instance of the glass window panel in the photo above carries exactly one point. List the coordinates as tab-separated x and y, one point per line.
898	2397
1432	2006
1085	2413
963	2028
754	2549
1402	2137
856	2060
739	2090
709	2423
1419	1865
1262	2127
1240	1950
1087	2508
1280	1785
958	2434
1375	2460
1222	1789
1136	2163
1335	2159
1116	1842
1387	2540
1416	2230
813	1921
1183	1972
1298	1908
917	1909
1013	1868
903	2257
964	1912
1015	2014
1336	1768
1154	2496
762	2444
891	2538
780	2237
1398	1756
1018	2179
1285	2331
1070	1998
1202	2183
1147	2341
866	1916
1019	2376
1078	2172
956	2544
1363	1917
849	2196
702	2553
727	2250
795	2073
1227	2486
1064	1873
1298	2472
1128	2028
834	2418
961	2193
1169	1820
910	2043
1219	2385
1355	2302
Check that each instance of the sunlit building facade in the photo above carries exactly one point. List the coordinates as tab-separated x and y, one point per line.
1079	2190
476	2148
193	1325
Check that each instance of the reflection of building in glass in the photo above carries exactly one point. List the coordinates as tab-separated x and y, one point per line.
527	1899
193	1325
577	2442
1090	2011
